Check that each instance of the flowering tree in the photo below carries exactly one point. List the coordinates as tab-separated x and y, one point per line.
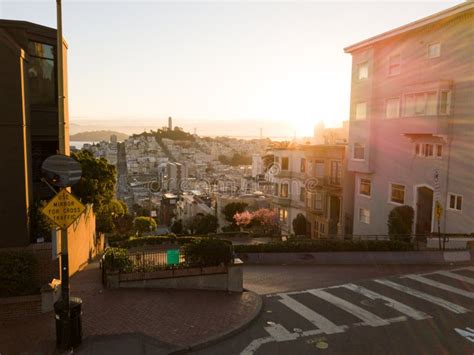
264	219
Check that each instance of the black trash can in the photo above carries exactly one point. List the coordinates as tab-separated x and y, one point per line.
68	328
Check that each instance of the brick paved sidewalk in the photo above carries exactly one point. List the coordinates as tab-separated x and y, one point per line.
172	318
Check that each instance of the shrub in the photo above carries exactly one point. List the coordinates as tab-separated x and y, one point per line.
117	259
324	246
299	224
133	242
400	222
208	252
144	225
17	273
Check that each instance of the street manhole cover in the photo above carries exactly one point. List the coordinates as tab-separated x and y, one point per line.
319	343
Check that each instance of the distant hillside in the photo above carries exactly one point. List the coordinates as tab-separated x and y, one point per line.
96	136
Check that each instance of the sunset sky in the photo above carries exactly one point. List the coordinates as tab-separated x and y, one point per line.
267	62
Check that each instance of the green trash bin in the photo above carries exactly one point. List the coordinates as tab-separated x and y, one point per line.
172	257
73	325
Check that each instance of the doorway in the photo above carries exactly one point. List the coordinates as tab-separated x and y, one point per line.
424	210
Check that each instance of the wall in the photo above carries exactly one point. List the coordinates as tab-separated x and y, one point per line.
84	243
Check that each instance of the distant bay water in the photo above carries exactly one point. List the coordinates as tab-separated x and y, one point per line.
79	144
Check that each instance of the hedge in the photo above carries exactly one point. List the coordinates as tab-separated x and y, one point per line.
133	242
117	259
324	246
208	252
17	273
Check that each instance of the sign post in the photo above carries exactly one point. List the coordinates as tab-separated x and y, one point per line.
63	209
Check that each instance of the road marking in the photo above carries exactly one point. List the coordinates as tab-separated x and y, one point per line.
280	333
440	285
255	344
367	317
400	307
452	275
467	333
424	296
318	320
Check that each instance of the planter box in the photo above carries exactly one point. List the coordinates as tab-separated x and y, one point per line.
224	278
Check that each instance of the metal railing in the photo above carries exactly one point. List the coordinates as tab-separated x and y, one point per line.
145	260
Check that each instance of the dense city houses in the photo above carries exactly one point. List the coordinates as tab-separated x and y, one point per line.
411	136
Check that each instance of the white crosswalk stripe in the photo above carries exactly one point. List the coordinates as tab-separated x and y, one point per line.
278	333
440	285
389	302
424	296
318	320
455	276
367	317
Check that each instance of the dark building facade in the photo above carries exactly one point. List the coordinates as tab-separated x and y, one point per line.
29	122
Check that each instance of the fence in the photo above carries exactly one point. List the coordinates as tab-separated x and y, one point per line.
154	259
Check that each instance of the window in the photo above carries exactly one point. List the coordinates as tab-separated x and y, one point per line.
394	65
359	151
284	190
363	71
302	194
283	215
420	104
361	111
364	215
434	50
397	193
319	169
336	172
445	102
284	163
321	229
365	187
318	201
455	202
275	189
428	151
392	108
303	165
316	229
42	74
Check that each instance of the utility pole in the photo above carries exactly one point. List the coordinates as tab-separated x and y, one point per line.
62	150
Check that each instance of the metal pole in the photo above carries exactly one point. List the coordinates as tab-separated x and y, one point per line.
62	150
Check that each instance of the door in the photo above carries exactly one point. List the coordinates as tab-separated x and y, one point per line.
424	210
334	214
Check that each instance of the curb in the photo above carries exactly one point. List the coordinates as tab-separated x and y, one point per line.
227	334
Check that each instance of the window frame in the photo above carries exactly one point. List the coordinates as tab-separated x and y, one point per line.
355	111
398	108
361	220
360	190
448	102
287	194
287	161
390	194
354	150
425	106
359	66
428	50
456	196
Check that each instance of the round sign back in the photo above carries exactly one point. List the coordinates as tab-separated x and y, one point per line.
61	170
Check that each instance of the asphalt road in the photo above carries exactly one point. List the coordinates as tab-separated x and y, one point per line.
358	310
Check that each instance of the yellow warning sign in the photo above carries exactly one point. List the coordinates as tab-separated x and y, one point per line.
438	210
63	209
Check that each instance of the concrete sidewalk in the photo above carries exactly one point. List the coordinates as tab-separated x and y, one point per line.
136	321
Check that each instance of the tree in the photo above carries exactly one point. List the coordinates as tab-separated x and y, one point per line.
97	184
400	222
144	225
39	224
232	208
108	214
177	227
264	219
204	224
299	224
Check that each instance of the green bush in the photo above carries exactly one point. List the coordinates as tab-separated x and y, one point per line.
133	242
17	273
117	259
293	246
208	252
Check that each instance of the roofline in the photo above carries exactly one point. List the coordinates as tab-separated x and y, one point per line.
465	6
31	27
